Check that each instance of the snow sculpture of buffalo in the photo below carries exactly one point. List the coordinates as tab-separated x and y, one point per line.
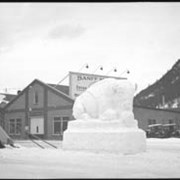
107	100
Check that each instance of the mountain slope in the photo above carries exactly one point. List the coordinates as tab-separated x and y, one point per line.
164	93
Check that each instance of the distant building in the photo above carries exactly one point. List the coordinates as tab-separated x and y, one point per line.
148	116
5	98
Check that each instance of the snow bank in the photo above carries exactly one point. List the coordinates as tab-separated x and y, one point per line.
161	160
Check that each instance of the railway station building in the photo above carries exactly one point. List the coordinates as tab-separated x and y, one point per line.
39	109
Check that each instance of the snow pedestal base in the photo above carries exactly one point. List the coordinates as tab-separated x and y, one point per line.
100	136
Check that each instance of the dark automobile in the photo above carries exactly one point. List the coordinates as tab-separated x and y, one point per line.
162	131
154	130
170	130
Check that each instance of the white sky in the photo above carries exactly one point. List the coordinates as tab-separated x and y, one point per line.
47	40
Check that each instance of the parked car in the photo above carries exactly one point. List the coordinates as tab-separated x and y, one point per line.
154	130
162	131
171	130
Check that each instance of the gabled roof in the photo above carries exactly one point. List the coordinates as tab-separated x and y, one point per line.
8	97
54	90
62	88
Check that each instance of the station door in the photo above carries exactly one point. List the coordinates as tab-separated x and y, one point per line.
37	125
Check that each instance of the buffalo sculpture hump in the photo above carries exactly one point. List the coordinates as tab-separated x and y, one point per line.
107	100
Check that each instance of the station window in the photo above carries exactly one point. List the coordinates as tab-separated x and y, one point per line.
151	121
36	98
15	126
60	124
171	121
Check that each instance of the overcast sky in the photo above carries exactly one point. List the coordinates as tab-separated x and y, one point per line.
47	40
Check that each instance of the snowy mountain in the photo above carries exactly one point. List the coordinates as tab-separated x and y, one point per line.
164	93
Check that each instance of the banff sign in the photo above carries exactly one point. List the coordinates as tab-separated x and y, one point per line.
79	82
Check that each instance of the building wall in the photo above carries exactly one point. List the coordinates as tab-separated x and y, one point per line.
51	115
15	115
55	100
49	105
161	116
40	90
20	103
1	118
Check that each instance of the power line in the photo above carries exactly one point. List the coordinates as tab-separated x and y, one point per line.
114	69
99	67
84	65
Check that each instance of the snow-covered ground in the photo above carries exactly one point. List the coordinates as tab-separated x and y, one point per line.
161	160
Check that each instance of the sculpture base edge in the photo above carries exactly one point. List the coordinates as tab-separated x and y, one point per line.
99	136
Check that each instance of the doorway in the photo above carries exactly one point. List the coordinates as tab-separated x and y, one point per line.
37	125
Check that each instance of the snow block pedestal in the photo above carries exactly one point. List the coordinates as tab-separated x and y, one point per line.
105	120
103	136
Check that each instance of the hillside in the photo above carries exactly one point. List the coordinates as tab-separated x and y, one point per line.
164	93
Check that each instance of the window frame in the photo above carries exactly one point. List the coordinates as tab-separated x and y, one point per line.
60	120
36	97
171	121
16	130
151	121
